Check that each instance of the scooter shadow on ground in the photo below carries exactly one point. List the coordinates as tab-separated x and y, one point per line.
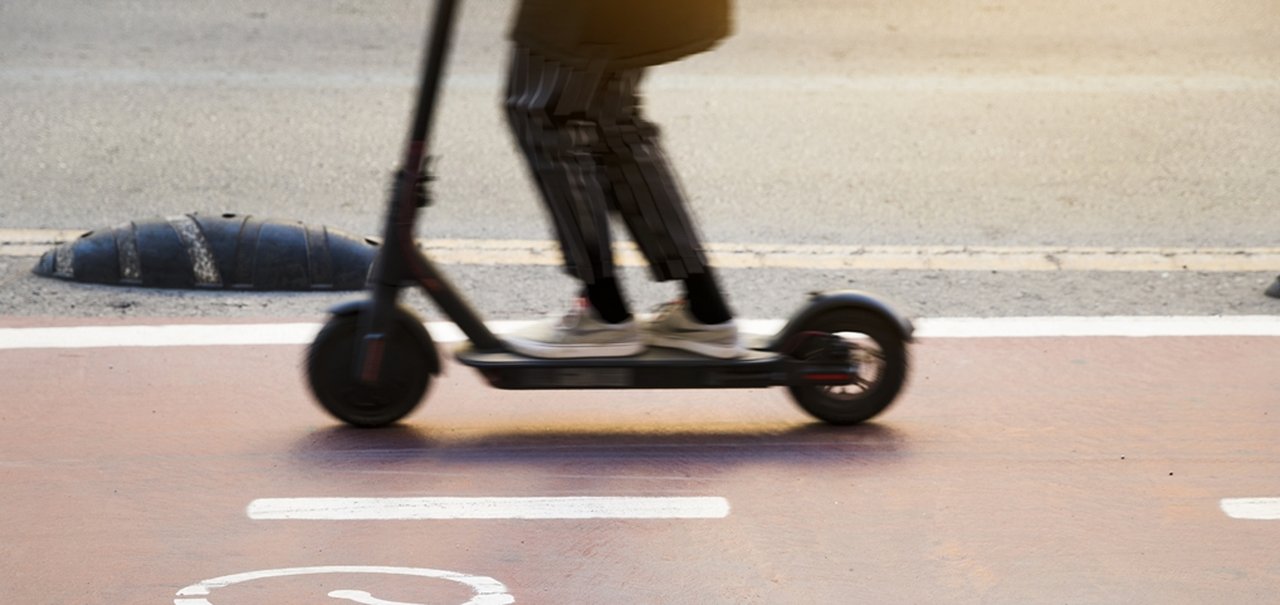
402	447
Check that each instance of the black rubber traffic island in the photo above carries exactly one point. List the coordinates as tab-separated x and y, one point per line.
226	251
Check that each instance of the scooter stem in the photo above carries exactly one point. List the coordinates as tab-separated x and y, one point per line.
399	258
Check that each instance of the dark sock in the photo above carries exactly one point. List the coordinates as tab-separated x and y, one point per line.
606	298
706	304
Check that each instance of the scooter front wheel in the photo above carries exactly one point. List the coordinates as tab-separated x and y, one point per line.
875	348
404	379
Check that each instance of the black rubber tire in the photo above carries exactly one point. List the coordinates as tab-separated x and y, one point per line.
405	373
851	408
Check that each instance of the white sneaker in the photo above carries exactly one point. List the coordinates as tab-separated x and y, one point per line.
675	328
580	333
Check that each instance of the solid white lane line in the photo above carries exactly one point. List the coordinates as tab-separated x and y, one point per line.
1266	509
573	507
1129	326
82	337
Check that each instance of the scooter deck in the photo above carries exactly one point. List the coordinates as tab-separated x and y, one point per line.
657	368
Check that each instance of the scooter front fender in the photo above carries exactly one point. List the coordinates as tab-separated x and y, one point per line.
406	320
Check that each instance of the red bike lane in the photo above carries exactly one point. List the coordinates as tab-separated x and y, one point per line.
1074	469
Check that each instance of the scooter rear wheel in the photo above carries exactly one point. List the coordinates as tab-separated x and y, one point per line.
404	378
876	348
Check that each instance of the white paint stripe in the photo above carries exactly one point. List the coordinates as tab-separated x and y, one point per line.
33	242
64	261
85	337
203	266
364	598
1266	509
583	507
130	262
1133	326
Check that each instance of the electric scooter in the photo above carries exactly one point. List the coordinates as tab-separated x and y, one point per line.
842	355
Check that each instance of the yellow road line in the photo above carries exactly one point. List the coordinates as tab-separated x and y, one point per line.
34	242
932	258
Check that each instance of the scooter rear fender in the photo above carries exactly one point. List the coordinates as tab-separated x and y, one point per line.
825	302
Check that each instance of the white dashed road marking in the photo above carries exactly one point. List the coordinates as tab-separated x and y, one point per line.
576	507
1263	509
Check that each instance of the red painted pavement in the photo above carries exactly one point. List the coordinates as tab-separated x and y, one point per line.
1071	470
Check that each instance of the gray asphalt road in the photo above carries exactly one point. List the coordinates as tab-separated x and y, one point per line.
972	123
753	293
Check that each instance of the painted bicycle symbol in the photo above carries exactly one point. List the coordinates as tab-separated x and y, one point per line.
487	591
